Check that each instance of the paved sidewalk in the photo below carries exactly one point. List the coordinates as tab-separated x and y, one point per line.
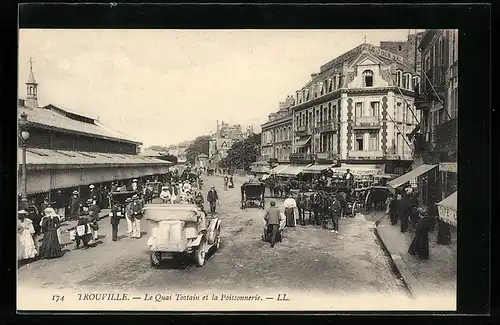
437	274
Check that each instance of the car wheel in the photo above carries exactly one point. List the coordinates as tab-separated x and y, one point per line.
155	259
200	253
218	240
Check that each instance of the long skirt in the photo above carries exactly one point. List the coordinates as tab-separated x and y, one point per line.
51	247
290	217
420	246
26	246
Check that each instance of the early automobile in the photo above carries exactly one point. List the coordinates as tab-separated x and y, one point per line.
252	192
120	197
180	230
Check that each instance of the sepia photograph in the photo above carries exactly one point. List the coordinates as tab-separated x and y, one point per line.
237	169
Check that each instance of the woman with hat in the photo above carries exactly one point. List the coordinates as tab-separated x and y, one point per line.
74	206
51	246
128	214
420	244
26	248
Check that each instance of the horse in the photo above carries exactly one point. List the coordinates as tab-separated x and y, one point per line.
302	205
318	207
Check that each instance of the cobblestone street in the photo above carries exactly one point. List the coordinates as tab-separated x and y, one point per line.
308	259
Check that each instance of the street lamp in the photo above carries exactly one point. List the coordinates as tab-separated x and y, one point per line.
24	136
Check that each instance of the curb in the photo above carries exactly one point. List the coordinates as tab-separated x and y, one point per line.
398	266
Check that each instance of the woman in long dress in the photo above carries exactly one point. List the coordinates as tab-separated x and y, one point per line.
51	246
25	231
420	244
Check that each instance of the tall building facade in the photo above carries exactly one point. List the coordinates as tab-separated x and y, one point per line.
277	133
359	109
223	140
438	103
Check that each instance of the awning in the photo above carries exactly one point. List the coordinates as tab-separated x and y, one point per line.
278	168
292	170
61	159
302	142
317	169
260	169
420	170
447	209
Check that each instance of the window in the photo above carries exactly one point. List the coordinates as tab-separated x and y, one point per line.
358	110
407	81
330	84
399	113
400	48
334	113
403	83
368	78
359	142
399	78
373	144
374	109
329	111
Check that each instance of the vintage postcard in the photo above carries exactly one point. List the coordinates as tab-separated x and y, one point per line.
233	170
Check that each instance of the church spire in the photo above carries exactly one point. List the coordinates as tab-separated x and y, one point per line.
31	88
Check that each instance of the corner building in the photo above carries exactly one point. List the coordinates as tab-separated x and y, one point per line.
276	143
359	111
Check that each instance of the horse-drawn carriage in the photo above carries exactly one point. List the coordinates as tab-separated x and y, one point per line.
252	192
120	198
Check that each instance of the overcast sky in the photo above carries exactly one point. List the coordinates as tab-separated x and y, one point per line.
165	86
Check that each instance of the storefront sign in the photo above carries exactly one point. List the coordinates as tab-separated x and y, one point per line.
447	215
448	167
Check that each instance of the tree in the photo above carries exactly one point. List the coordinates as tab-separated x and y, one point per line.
199	146
242	153
168	157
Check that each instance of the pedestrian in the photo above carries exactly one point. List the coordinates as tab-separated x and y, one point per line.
83	232
349	178
420	244
93	194
128	214
231	182
413	200
165	195
273	220
134	185
226	180
51	246
60	205
403	208
45	204
75	206
212	199
391	207
26	247
93	212
115	221
136	210
186	187
335	212
23	203
290	204
200	201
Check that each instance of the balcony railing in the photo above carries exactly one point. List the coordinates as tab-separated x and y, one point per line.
326	126
301	156
303	130
367	122
326	155
446	135
366	154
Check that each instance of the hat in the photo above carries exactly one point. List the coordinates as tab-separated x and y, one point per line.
75	192
49	211
24	199
91	186
90	200
128	200
134	180
135	196
22	212
408	190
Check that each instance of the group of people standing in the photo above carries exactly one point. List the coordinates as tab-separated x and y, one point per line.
29	232
404	207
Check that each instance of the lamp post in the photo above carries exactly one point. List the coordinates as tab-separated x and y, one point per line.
24	136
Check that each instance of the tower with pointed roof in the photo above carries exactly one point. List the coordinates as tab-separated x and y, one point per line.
31	88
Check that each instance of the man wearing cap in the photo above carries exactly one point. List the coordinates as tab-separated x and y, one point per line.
94	218
134	185
93	194
136	210
74	206
115	221
273	221
128	214
212	199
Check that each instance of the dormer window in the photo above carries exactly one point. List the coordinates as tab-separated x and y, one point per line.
399	78
368	78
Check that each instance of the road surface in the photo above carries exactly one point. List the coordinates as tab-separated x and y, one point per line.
309	259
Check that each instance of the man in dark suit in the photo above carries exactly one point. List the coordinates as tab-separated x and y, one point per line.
273	220
212	199
115	221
